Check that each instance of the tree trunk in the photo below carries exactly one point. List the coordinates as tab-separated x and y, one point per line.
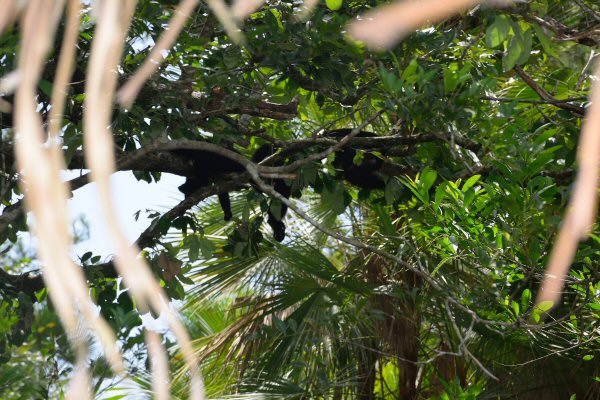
400	327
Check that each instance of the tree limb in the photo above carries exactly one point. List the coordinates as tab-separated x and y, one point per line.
547	96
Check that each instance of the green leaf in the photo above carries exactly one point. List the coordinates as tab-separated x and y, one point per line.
390	191
469	197
541	160
527	41
525	298
497	32
450	77
545	305
412	187
334	199
513	53
544	40
194	248
515	307
86	256
440	194
410	72
334	5
541	308
207	247
358	158
428	177
45	87
470	182
390	81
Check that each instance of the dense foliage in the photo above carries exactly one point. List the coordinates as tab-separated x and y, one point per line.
428	294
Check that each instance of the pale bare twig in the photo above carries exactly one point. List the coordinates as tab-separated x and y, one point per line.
113	21
306	9
223	13
10	10
384	26
581	210
241	9
127	94
46	195
63	73
159	366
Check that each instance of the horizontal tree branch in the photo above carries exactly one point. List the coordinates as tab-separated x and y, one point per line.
157	157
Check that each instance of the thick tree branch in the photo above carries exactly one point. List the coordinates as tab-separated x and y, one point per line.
30	283
157	157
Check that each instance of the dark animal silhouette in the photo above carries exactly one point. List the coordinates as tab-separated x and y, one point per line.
366	174
210	166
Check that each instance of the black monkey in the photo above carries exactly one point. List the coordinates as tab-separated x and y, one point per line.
209	166
366	174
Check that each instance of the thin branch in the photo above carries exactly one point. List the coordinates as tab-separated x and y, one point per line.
547	96
511	100
562	32
588	11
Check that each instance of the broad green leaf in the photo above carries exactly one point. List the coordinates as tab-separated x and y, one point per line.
544	40
334	5
194	247
513	53
334	199
207	247
541	308
358	158
541	160
515	307
526	51
450	77
469	197
428	177
470	182
46	87
412	187
390	80
410	72
497	32
440	194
